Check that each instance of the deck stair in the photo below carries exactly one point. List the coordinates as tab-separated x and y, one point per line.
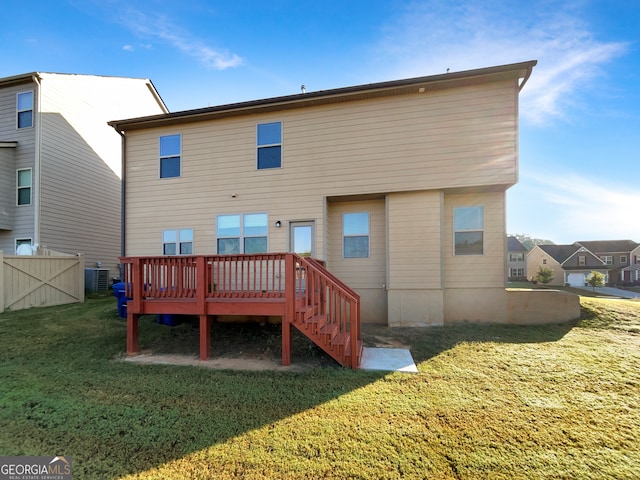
328	312
298	289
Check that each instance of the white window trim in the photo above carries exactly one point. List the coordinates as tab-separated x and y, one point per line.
241	237
178	243
368	235
469	230
281	144
16	240
160	157
32	109
18	187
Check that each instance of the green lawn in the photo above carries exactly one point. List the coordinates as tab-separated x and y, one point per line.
556	401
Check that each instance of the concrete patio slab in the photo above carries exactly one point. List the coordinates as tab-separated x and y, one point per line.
388	359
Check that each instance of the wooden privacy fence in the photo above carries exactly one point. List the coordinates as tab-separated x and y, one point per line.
43	279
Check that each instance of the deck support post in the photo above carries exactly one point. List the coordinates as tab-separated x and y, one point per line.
205	337
290	307
286	341
132	333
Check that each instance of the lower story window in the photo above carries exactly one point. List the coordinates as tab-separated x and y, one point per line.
22	241
516	272
468	230
242	233
355	231
177	242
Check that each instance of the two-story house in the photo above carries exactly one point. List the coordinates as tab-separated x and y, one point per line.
516	260
399	187
620	256
60	163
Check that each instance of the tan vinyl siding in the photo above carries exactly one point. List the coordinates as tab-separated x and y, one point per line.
366	275
81	162
22	223
473	271
415	242
535	259
449	138
7	189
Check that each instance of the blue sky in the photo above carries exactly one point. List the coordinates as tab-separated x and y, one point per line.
579	112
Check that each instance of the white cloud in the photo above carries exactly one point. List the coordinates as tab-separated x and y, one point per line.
584	208
128	48
158	27
433	35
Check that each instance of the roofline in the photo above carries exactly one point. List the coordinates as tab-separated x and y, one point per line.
29	77
299	100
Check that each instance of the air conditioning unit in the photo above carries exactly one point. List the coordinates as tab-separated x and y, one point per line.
96	279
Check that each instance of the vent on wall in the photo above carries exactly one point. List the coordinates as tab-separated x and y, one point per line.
96	279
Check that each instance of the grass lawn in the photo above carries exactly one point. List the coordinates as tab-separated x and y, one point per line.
554	401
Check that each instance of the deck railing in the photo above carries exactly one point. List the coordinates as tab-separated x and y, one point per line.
312	299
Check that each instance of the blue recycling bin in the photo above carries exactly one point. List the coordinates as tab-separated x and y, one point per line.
119	293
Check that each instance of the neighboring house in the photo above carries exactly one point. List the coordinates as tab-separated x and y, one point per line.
60	162
617	260
516	260
398	186
571	264
621	258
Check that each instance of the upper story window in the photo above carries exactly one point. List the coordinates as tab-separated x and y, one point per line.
355	231
269	144
177	242
23	181
582	260
623	259
607	259
24	110
170	154
242	233
516	257
468	230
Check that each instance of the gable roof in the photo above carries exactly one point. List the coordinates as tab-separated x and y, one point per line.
560	253
416	85
606	246
515	245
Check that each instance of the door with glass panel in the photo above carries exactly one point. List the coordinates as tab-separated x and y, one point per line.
302	238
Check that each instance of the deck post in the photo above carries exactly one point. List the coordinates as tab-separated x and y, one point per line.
290	307
205	337
132	333
202	290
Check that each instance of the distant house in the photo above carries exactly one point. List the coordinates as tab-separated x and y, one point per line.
571	264
398	187
618	260
60	163
622	258
516	260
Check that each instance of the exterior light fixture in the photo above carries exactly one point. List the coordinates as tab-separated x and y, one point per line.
278	223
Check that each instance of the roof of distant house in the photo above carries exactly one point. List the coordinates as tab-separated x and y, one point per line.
515	245
609	246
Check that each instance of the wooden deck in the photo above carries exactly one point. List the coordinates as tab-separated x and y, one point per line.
300	290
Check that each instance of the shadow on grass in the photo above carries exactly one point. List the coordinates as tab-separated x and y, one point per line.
428	342
62	391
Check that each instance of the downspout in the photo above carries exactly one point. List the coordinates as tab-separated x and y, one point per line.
526	77
123	197
37	167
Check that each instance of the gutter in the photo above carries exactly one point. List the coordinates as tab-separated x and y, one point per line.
527	75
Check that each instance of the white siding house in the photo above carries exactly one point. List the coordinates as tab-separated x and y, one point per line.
60	163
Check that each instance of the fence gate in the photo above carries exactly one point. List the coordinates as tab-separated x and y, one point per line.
47	278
